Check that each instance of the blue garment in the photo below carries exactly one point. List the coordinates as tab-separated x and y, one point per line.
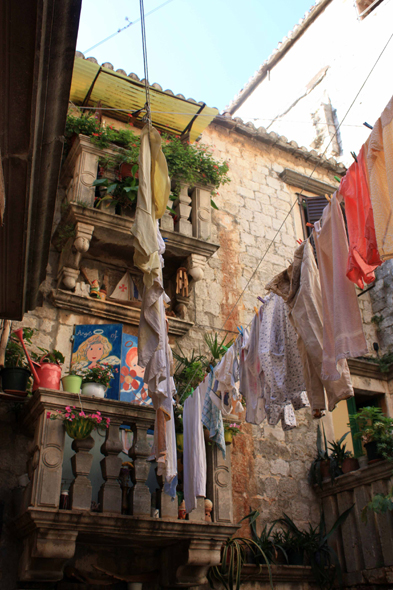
212	418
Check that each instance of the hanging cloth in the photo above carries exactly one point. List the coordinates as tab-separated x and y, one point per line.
252	376
211	415
380	171
280	363
363	256
300	288
153	195
342	323
194	451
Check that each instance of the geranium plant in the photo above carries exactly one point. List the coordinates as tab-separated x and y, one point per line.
233	429
99	374
77	423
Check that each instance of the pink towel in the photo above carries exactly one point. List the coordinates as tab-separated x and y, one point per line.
342	324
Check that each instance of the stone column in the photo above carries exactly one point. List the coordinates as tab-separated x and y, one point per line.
183	210
45	464
139	452
201	213
219	483
81	488
69	262
168	506
166	221
110	494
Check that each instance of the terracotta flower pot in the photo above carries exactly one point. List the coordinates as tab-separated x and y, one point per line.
349	464
72	383
80	429
325	469
94	389
49	375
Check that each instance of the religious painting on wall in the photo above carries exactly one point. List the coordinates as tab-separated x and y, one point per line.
99	344
132	387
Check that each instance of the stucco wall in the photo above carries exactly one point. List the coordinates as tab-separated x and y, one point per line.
348	48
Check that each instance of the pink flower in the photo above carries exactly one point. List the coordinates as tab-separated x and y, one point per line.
72	416
73	407
98	413
48	415
67	415
68	408
82	414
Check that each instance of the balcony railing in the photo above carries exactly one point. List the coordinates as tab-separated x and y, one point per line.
365	550
50	533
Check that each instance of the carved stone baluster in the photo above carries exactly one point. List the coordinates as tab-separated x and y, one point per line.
71	255
199	513
139	452
166	221
168	506
110	494
201	213
183	210
219	483
81	488
45	465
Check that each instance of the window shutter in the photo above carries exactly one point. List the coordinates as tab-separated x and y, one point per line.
314	208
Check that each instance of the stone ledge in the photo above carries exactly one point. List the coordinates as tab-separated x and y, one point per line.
361	477
365	368
111	311
115	230
132	530
280	573
305	182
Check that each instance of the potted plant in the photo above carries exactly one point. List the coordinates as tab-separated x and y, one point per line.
119	188
72	382
343	460
95	381
77	424
230	430
48	369
15	374
270	543
375	431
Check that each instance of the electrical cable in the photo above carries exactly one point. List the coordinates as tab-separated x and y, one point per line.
126	27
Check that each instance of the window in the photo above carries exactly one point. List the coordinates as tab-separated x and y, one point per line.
311	209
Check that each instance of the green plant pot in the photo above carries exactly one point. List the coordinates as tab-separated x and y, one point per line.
179	441
80	429
14	379
72	383
372	451
228	438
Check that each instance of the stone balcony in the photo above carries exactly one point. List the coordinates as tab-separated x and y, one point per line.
365	550
101	235
89	539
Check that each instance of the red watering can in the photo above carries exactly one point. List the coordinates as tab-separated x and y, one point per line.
19	334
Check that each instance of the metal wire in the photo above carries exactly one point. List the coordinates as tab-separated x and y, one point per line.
145	63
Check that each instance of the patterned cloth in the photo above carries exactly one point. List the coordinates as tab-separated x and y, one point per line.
211	415
280	363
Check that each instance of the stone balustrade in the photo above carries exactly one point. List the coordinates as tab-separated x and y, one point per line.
193	209
365	550
50	534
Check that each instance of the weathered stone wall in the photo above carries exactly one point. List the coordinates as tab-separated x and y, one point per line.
381	297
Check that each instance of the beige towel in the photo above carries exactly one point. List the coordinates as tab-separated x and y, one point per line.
342	324
380	170
299	286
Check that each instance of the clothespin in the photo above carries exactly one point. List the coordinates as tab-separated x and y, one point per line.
354	157
256	310
309	224
328	197
165	239
260	299
368	125
225	348
240	330
299	241
211	368
337	178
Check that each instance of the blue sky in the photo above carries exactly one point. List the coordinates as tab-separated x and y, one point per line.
205	49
